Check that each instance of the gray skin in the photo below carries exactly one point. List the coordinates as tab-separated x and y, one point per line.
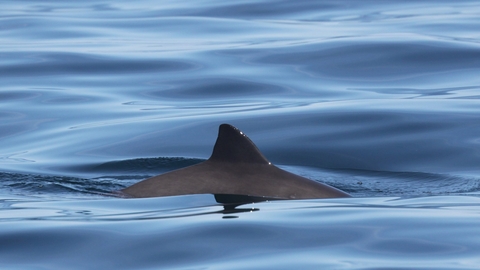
236	168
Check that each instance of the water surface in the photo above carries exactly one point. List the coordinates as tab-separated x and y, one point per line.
379	99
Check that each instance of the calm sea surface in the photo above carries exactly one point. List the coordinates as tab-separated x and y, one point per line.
378	98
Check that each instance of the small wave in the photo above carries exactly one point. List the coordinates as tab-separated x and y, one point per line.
110	177
57	186
405	184
146	166
116	175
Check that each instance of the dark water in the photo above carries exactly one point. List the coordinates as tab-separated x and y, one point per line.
377	98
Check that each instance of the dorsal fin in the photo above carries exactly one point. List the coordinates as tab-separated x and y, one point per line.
234	146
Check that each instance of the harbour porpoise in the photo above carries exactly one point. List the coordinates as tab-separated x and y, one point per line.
236	171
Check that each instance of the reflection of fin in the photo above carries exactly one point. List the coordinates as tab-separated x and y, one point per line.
237	170
232	201
240	199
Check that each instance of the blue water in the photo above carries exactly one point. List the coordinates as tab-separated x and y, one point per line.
377	98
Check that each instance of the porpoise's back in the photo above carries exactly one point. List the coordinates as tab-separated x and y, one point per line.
236	167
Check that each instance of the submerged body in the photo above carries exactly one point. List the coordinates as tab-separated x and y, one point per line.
236	167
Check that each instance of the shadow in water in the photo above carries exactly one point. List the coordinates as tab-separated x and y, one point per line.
232	201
